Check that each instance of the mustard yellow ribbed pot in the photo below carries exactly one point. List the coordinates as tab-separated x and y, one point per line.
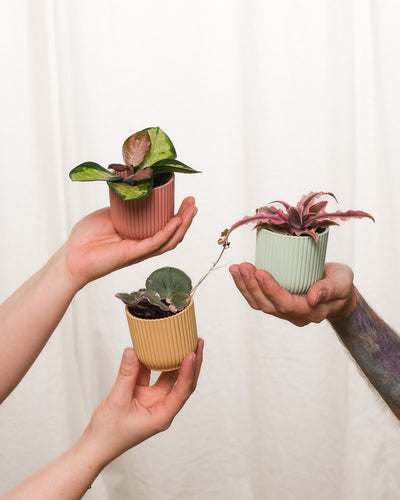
296	262
162	344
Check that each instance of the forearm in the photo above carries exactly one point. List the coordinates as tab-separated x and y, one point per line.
28	318
376	349
68	477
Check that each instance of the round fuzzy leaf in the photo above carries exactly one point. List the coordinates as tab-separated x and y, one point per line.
90	171
171	165
127	192
161	147
168	281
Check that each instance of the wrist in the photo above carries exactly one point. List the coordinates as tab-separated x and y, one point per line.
99	444
91	452
75	281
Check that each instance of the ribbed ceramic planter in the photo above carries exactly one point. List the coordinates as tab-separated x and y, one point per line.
162	344
296	262
139	219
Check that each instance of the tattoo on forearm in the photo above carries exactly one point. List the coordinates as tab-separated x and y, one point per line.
376	349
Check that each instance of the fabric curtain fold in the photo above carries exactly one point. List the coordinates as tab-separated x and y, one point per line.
270	100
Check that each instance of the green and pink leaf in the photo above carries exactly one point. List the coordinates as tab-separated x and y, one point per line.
135	148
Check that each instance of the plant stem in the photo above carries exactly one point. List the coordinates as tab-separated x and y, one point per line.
224	247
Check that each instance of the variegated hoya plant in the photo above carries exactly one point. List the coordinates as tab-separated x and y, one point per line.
149	157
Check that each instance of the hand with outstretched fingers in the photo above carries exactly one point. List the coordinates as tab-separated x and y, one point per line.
94	248
333	297
134	410
131	413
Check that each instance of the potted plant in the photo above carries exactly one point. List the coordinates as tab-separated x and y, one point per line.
141	190
161	319
291	241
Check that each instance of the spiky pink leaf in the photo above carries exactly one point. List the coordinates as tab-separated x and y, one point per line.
258	217
318	207
306	199
286	205
135	147
294	218
349	214
307	232
276	214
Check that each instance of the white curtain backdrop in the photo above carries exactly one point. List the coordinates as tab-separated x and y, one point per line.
269	100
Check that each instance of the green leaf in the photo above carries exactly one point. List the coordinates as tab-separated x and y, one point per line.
154	298
130	298
161	147
127	192
91	171
135	147
179	300
168	281
171	165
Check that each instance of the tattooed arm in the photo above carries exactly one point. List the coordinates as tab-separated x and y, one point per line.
371	342
376	349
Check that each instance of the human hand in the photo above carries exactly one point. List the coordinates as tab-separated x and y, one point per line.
333	297
94	248
134	411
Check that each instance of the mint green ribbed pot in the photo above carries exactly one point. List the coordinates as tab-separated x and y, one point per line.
296	262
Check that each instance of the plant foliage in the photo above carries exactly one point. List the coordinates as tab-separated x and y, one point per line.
308	217
305	219
167	292
147	154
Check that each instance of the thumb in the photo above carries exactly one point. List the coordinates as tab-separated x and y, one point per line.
336	284
125	384
323	291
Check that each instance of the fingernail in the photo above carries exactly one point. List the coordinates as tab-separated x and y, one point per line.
235	276
128	356
321	296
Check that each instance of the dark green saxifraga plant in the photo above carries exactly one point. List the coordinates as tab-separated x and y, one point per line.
149	157
167	292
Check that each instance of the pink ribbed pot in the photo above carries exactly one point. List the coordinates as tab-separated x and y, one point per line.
139	219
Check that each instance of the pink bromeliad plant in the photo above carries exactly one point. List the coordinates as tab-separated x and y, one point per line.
307	218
